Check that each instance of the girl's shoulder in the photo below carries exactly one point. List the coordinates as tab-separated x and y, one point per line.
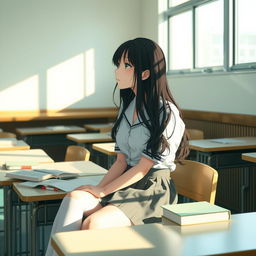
169	107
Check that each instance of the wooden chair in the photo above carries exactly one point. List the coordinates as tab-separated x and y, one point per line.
195	134
7	135
195	180
77	153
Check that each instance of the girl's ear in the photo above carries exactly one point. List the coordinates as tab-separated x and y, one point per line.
145	74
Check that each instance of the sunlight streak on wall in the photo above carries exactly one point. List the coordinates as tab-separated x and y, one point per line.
22	95
65	83
89	80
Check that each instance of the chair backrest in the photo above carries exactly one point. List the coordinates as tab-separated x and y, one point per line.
7	135
77	153
195	134
195	180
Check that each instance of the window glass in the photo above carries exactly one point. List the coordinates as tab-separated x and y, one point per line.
245	31
209	34
180	41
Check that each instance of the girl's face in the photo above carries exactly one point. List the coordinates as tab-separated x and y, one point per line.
125	74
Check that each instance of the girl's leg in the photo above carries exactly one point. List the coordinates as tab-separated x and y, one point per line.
71	211
108	216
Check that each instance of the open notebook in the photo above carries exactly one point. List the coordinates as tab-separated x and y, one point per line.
62	185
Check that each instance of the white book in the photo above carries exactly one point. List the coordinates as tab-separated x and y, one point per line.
41	174
8	142
63	185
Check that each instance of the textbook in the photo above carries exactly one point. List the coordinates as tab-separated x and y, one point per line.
195	213
197	229
41	174
62	185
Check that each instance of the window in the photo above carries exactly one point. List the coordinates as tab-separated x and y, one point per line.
180	44
211	35
245	31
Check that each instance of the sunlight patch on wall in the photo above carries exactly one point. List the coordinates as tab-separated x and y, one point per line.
23	95
65	83
89	64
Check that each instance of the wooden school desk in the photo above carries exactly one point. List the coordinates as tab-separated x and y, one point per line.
42	204
86	140
47	135
20	145
50	138
234	237
99	127
225	156
107	151
249	176
251	157
35	155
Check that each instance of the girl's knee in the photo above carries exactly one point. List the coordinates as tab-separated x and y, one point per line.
78	194
92	222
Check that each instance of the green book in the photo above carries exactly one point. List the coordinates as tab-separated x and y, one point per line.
195	213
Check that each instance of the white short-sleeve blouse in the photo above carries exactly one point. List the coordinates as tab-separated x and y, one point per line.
131	138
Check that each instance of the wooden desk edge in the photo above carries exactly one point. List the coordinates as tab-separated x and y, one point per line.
55	246
213	149
17	116
40	197
95	147
89	140
249	158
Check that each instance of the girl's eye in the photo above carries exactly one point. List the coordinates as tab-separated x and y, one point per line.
127	65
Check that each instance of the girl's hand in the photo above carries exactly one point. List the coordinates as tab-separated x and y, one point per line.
97	191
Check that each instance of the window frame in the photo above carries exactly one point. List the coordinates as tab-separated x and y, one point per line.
228	39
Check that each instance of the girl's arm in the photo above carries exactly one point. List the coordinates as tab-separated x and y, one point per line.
115	171
131	176
115	179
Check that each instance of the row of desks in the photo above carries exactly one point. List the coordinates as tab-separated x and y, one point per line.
33	199
31	202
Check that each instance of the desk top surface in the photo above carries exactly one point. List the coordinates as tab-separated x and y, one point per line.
34	155
223	144
106	148
90	137
58	129
98	127
251	157
236	235
20	145
93	170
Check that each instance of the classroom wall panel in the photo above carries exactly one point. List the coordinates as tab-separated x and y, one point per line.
58	54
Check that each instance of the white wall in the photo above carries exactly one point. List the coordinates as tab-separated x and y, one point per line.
48	48
228	93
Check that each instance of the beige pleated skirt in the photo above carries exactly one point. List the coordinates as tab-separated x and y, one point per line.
141	202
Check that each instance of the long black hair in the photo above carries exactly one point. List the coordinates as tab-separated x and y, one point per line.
144	54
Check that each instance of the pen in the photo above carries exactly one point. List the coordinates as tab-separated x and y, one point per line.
49	188
26	167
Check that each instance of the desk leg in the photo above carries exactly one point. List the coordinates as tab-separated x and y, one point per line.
245	185
203	157
33	209
8	220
